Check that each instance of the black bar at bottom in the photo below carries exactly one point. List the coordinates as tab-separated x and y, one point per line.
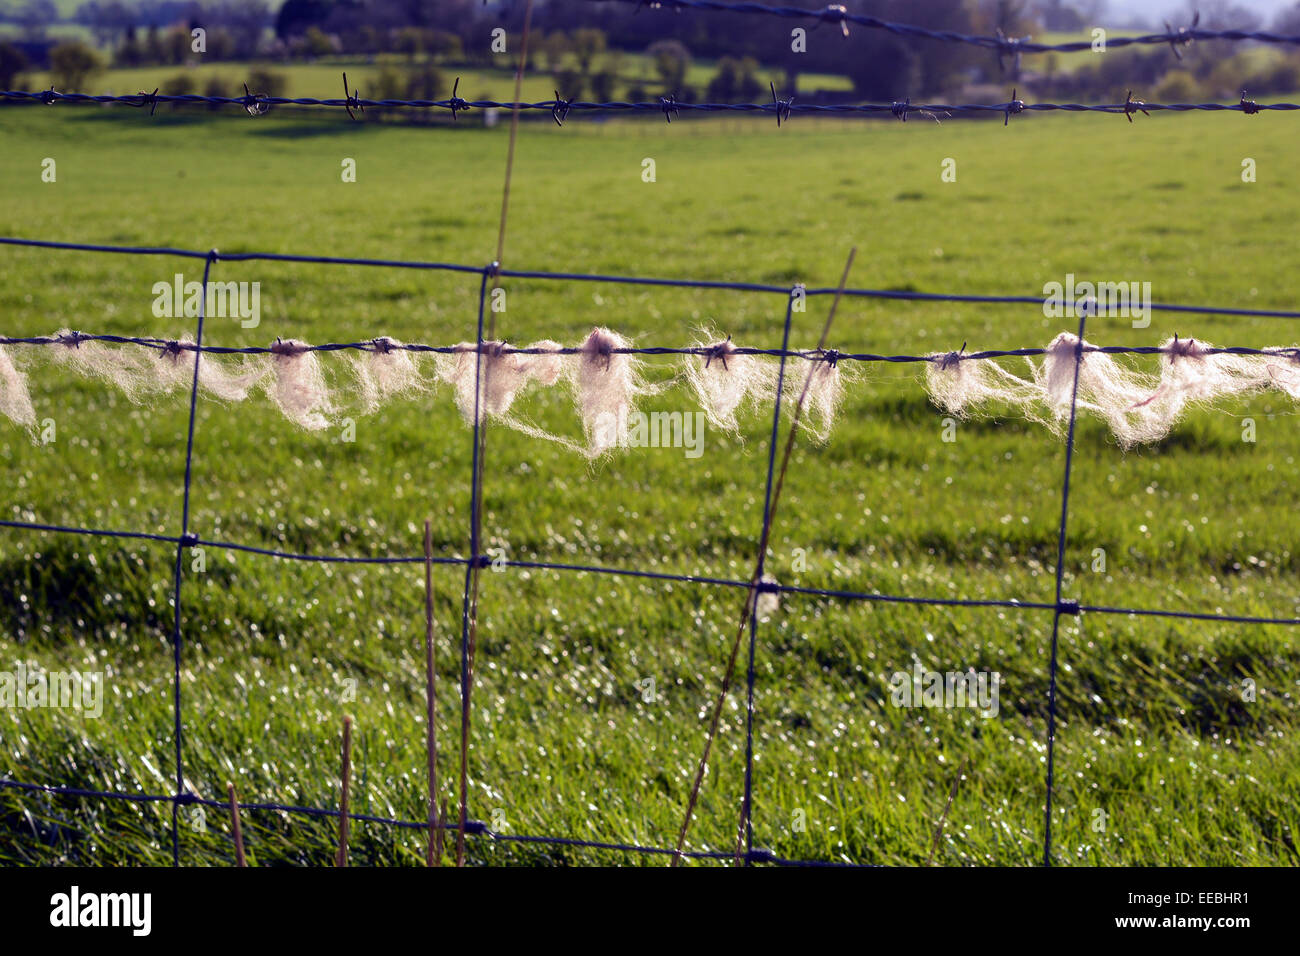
922	907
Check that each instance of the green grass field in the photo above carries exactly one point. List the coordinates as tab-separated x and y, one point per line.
1153	728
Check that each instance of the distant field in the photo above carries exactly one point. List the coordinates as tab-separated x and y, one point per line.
323	77
57	31
66	8
1153	730
1247	59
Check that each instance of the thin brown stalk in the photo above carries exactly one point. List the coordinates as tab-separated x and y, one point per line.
434	857
346	781
442	833
751	594
235	829
943	818
514	130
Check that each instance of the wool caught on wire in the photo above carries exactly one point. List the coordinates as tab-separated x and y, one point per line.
724	380
603	374
227	382
821	389
606	383
140	374
956	385
298	385
1106	389
1140	407
15	402
484	382
133	371
386	372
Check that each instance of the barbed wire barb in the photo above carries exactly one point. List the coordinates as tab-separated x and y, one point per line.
351	99
1015	106
148	99
781	107
255	104
560	111
1131	105
456	104
1183	36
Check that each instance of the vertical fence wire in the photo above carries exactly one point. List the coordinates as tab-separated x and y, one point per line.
180	556
747	808
1060	607
469	603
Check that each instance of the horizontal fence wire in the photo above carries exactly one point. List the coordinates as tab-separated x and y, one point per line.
1058	607
783	290
472	827
838	14
830	356
487	560
258	104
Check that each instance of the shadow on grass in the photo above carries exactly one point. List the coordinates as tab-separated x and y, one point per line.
65	591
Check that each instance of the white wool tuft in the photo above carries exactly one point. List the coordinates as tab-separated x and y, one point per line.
140	373
824	384
606	383
386	372
723	380
227	381
956	384
500	375
1284	372
1139	407
1189	371
1107	389
298	387
547	366
131	370
15	403
503	375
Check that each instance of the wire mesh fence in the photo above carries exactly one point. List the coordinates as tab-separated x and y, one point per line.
186	536
748	851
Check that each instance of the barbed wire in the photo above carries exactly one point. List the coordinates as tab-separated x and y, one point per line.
837	14
258	104
384	345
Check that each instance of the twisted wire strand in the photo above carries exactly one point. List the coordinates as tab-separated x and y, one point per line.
490	348
667	105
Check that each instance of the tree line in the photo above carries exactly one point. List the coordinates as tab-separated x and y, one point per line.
602	51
